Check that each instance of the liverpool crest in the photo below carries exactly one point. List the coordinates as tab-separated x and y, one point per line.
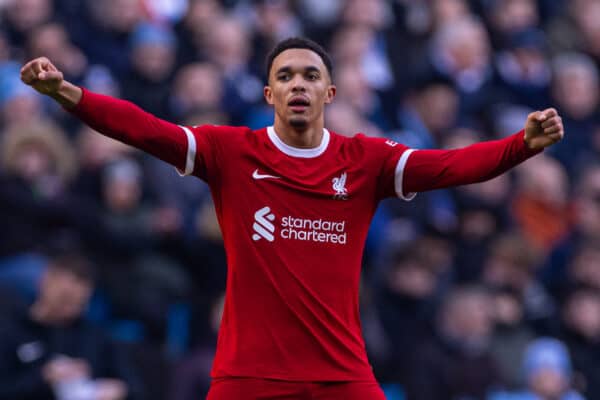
339	185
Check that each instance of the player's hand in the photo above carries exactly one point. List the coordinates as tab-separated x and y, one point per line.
543	129
42	75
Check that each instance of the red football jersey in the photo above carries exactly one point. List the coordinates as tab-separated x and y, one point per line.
294	224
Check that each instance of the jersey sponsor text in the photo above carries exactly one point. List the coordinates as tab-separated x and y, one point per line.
316	230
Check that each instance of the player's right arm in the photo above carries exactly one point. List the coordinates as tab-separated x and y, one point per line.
118	119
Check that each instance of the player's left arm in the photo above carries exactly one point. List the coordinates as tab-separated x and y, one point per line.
112	117
436	169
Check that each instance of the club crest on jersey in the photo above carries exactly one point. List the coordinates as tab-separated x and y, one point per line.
339	185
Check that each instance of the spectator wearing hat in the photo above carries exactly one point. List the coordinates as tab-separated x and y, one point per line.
523	68
548	373
18	105
153	50
38	164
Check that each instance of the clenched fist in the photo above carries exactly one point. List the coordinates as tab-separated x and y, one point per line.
543	128
44	77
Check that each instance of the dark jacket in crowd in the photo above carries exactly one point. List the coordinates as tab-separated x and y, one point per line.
444	370
26	346
585	355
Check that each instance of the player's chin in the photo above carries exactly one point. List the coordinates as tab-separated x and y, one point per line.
298	121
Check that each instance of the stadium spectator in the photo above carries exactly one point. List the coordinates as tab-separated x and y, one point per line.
405	301
52	39
461	52
141	282
541	206
464	328
48	350
575	92
147	83
197	91
18	106
510	17
108	27
38	163
511	335
581	334
524	69
512	262
558	269
547	371
191	376
530	42
24	16
228	46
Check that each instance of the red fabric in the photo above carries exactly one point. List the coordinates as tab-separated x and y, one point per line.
436	169
128	123
291	309
294	229
264	389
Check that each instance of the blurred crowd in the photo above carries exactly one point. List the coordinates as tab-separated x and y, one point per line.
112	270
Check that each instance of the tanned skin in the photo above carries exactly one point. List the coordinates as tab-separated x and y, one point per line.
298	76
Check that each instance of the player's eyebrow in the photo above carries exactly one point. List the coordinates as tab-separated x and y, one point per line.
283	69
288	69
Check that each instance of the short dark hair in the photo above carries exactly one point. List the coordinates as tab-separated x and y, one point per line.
299	43
65	253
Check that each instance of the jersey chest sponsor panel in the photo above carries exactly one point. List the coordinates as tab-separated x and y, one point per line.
310	213
313	236
294	230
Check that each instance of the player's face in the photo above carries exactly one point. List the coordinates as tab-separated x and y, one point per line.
299	87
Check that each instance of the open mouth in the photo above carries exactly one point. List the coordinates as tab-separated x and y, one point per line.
298	104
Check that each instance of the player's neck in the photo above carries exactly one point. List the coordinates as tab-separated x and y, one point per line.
303	138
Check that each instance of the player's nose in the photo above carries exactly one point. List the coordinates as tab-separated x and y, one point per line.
298	84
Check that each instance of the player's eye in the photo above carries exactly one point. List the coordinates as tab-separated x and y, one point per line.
283	77
313	76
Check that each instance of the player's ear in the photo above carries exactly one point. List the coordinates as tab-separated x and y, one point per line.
331	91
268	93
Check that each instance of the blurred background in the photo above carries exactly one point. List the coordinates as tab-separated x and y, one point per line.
112	270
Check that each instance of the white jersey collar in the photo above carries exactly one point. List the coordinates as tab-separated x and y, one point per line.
296	151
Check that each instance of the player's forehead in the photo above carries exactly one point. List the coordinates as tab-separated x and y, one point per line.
298	60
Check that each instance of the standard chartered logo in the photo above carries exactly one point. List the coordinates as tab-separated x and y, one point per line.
263	227
294	228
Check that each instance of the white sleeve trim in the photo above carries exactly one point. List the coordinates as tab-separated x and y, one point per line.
399	174
190	159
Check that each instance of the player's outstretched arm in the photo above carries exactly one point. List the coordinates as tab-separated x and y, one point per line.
436	169
118	119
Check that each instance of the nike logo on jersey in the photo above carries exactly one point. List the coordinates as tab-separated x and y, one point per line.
257	176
